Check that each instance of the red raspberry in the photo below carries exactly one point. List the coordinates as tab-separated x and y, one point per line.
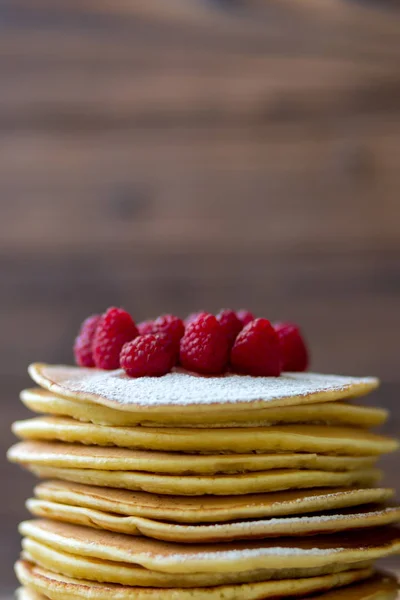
256	350
115	328
168	324
230	324
193	316
293	347
145	327
204	347
245	317
149	355
83	342
172	326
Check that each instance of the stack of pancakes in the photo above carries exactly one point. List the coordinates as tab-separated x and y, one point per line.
192	487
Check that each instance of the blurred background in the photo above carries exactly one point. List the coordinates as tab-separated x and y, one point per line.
175	155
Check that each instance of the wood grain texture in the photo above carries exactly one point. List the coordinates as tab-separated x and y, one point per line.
172	156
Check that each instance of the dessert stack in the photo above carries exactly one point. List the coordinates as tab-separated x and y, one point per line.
201	460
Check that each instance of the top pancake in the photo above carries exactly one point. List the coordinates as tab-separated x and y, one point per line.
188	395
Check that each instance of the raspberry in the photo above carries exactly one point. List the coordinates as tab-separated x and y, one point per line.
168	324
145	327
151	355
256	350
293	347
204	346
172	326
83	342
115	328
193	316
230	324
245	317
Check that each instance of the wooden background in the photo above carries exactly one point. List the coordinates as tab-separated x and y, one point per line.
171	156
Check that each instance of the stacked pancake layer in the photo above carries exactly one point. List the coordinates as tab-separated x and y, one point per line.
184	486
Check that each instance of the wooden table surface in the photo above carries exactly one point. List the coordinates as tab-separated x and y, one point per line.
171	156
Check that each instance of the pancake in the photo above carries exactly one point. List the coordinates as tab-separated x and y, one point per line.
321	439
216	488
200	485
94	569
376	587
331	413
240	530
208	509
59	587
288	553
59	454
181	395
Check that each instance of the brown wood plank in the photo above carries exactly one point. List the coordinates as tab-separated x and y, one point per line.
112	181
196	86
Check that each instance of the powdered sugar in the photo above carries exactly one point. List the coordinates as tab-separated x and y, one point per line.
185	388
